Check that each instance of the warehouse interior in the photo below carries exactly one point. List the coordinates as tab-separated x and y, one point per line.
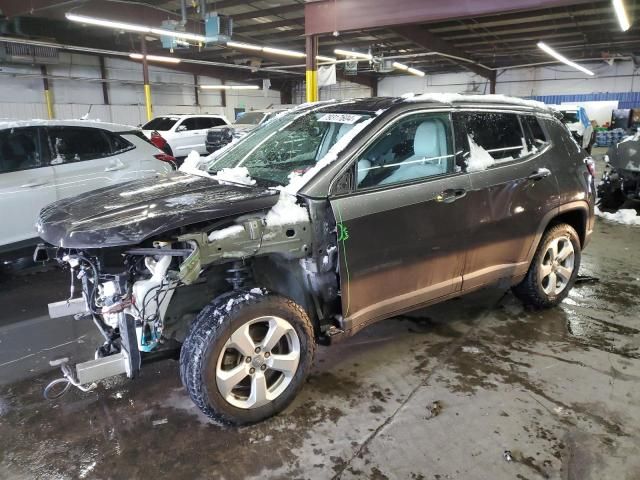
478	386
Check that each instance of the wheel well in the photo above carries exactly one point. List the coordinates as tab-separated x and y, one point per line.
576	218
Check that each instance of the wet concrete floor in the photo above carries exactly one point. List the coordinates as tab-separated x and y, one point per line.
439	394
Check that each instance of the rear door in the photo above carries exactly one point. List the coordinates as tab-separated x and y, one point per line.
513	188
193	134
27	182
86	158
402	228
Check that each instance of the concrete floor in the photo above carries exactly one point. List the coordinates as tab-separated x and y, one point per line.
559	389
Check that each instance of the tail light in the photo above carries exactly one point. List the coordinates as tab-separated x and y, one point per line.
591	166
158	140
163	157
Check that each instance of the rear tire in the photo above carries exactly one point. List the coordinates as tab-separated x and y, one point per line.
246	356
553	270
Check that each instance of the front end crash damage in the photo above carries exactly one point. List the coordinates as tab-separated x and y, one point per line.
620	182
143	298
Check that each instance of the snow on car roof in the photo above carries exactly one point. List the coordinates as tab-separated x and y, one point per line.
113	127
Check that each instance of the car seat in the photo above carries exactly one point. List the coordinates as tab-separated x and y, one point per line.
429	148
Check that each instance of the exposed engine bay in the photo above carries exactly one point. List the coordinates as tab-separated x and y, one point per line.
143	299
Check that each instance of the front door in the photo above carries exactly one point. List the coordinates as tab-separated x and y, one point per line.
402	228
513	188
26	183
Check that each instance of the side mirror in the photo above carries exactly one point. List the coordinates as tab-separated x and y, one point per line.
181	128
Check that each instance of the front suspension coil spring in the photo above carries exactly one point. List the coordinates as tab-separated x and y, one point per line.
238	275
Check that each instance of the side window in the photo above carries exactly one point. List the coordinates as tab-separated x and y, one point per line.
492	138
210	122
20	150
536	138
415	147
190	124
118	143
76	144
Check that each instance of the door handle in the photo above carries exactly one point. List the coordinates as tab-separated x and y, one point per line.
539	174
451	195
34	183
114	166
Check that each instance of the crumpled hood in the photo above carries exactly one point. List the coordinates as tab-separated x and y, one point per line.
625	155
129	213
239	127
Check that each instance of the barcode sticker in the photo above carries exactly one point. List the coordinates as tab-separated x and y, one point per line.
340	118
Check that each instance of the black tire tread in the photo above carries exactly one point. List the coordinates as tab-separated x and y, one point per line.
528	291
204	330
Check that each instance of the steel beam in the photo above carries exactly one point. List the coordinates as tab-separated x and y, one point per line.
312	68
429	41
326	16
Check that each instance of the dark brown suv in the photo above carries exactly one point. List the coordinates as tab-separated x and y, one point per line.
319	223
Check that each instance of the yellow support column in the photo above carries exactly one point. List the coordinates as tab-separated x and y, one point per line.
312	68
48	99
145	76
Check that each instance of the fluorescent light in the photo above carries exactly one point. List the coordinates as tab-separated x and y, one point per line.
349	53
155	58
107	23
546	48
229	87
276	51
280	51
621	13
246	46
407	68
131	27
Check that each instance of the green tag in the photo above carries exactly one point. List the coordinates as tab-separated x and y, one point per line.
343	232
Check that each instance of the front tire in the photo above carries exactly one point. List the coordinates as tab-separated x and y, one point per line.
553	270
246	356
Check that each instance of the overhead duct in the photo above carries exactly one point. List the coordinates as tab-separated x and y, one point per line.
31	54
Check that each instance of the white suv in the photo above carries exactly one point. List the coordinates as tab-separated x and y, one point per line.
182	133
43	161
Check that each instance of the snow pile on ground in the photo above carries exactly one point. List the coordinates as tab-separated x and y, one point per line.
479	158
286	211
234	175
193	165
225	232
626	216
297	182
456	97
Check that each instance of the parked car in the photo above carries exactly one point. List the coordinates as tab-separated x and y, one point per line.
178	135
45	161
620	184
320	223
578	123
218	137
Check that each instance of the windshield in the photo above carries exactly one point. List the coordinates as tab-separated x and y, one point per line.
291	143
570	117
250	118
161	124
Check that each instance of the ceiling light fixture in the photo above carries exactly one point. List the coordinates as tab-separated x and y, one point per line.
407	68
348	53
621	13
547	49
229	87
132	27
276	51
154	58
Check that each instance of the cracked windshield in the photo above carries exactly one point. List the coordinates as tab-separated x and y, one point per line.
290	144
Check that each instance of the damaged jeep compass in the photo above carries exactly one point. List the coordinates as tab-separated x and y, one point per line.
324	220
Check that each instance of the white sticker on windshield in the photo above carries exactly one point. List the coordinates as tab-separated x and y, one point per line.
340	118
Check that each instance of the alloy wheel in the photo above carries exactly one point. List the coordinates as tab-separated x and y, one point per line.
557	266
258	362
